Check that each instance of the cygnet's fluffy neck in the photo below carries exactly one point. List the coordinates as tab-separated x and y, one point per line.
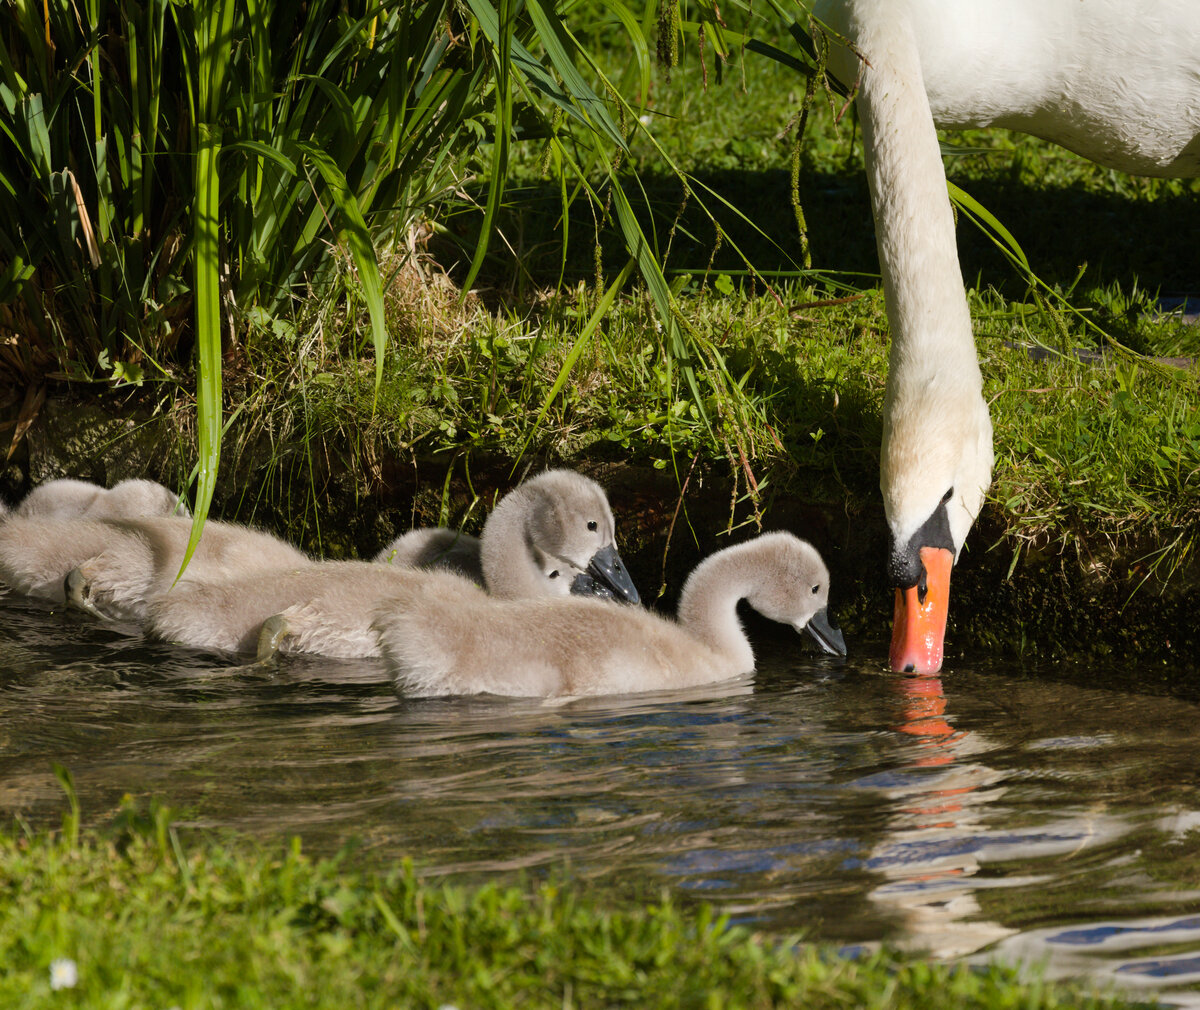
766	572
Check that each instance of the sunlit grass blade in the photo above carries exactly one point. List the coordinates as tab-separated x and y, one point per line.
577	348
561	47
354	228
987	221
636	35
213	32
501	28
660	292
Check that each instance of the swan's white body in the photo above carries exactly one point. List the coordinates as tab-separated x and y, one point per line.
439	642
1116	81
1113	80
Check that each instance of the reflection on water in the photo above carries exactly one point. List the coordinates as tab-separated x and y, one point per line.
990	810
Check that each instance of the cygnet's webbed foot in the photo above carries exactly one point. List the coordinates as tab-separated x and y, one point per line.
274	630
78	592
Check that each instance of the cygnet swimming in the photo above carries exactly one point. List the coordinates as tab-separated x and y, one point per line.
324	608
438	548
115	567
439	642
528	546
127	499
551	536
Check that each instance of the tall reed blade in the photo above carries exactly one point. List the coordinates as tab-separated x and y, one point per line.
214	27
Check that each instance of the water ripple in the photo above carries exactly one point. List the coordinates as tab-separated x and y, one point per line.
996	811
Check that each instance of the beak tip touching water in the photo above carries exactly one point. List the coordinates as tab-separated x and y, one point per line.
826	634
921	611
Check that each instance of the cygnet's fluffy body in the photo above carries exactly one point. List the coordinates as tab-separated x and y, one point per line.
325	608
437	548
127	563
128	499
437	642
328	608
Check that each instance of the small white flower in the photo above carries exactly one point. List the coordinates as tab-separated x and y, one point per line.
63	973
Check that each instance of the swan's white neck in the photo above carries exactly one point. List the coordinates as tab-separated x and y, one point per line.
936	432
914	225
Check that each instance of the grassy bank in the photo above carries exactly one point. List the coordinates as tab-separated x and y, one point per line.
150	918
1086	542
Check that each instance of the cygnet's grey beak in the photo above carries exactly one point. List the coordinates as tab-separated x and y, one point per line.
828	637
585	585
607	567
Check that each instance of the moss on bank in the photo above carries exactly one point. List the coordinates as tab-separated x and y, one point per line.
151	918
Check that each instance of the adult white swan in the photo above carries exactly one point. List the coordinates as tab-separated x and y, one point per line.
1114	80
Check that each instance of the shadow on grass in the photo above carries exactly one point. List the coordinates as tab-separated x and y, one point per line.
1127	242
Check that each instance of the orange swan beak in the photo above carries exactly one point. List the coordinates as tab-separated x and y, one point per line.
919	626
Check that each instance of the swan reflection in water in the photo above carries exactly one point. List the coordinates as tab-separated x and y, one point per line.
928	856
940	842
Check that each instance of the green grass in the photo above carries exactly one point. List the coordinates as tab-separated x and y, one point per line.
1100	452
153	917
1084	449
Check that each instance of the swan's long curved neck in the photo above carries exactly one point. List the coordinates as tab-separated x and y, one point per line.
936	435
914	223
708	608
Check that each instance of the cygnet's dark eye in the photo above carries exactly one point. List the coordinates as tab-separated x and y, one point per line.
816	588
553	574
947	496
592	525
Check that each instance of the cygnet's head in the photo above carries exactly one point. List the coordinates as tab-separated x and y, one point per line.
568	529
563	578
791	586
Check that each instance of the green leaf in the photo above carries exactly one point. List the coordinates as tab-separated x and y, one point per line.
358	238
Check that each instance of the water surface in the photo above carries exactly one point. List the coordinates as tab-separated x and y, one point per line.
1044	814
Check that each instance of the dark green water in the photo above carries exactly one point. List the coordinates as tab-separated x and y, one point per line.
1047	815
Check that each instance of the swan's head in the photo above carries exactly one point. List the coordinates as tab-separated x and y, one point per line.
570	531
791	585
936	467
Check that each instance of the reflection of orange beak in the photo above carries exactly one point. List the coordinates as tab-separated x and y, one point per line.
919	627
924	706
